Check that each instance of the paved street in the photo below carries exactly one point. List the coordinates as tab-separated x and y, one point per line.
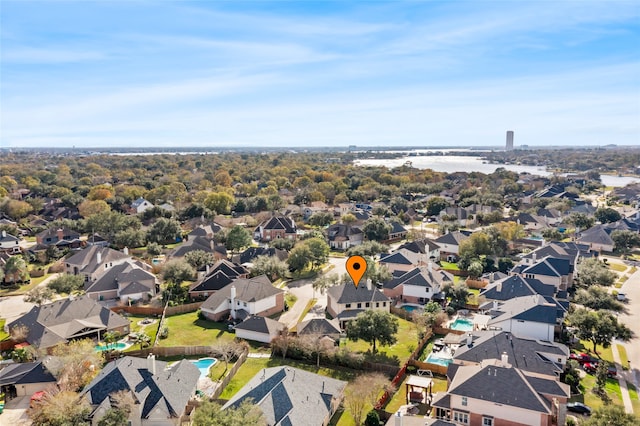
12	307
632	319
15	412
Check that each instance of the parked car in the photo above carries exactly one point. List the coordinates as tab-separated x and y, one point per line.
581	358
591	367
621	297
579	407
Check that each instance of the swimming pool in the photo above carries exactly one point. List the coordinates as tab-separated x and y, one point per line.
204	364
111	346
462	324
434	359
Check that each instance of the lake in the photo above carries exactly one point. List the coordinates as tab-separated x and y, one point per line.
461	163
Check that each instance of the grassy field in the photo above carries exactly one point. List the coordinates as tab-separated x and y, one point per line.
618	267
3	334
253	365
397	353
592	400
449	265
188	330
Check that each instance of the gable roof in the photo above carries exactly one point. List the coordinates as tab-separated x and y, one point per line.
341	230
192	244
528	308
550	266
349	293
28	372
251	253
397	228
260	324
516	286
397	258
290	396
421	277
87	258
596	235
453	238
121	276
526	354
318	326
280	222
423	246
64	319
53	232
247	290
166	391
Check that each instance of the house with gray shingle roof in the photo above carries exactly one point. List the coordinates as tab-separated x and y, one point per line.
322	326
528	316
346	301
275	228
216	277
343	237
259	329
289	396
531	355
94	261
68	319
496	392
160	391
597	238
140	206
426	247
450	244
24	379
419	285
402	260
242	298
125	281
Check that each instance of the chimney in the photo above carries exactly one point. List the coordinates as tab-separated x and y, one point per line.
126	251
499	287
151	363
398	419
60	234
207	269
495	305
369	284
469	339
4	234
505	359
430	267
534	256
98	257
212	245
233	301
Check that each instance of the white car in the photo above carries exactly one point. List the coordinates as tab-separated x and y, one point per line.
621	297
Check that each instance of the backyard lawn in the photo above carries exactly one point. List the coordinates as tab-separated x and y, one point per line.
449	265
253	365
188	330
407	341
3	334
150	329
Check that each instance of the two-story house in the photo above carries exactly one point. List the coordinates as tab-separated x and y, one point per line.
93	261
418	286
276	227
346	301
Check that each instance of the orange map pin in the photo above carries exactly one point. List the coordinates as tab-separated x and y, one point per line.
356	267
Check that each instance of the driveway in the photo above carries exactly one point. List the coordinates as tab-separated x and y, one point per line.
13	307
15	412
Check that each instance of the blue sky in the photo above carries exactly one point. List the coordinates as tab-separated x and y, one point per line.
239	73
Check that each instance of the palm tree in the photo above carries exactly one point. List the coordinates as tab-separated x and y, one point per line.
111	337
142	339
15	269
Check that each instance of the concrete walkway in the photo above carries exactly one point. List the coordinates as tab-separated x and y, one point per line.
626	399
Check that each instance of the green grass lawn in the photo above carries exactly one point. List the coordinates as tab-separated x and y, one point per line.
188	330
395	354
587	347
592	400
449	265
624	358
3	334
253	365
619	267
400	397
150	330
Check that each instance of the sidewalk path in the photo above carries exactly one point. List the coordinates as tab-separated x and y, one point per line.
626	399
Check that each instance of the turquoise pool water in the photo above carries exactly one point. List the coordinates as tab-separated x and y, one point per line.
462	324
110	346
409	308
437	360
204	364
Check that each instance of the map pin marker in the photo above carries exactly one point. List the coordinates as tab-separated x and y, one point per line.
356	267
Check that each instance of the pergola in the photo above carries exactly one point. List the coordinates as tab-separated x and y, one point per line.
419	389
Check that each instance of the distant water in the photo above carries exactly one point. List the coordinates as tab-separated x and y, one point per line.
460	163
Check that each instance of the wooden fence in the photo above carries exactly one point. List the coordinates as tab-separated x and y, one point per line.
435	368
232	372
150	310
445	331
477	284
171	351
7	344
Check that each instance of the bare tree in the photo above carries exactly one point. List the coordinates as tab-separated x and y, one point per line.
364	390
227	351
39	295
19	333
281	342
79	364
317	343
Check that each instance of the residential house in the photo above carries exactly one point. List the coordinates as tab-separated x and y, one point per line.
199	243
343	208
450	244
535	357
275	228
426	247
25	379
527	316
205	231
496	392
125	281
397	231
401	261
60	237
290	396
244	297
259	329
249	255
93	261
418	286
218	276
140	206
343	237
9	244
97	240
346	301
161	391
321	326
68	319
550	270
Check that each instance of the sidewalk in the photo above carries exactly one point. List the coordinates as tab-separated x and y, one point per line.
626	399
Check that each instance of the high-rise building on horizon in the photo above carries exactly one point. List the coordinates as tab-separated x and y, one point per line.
509	140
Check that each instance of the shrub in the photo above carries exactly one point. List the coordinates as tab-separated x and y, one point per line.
164	332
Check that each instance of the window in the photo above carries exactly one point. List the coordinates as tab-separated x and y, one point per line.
348	305
384	304
459	417
464	401
487	421
359	305
377	304
366	305
244	304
